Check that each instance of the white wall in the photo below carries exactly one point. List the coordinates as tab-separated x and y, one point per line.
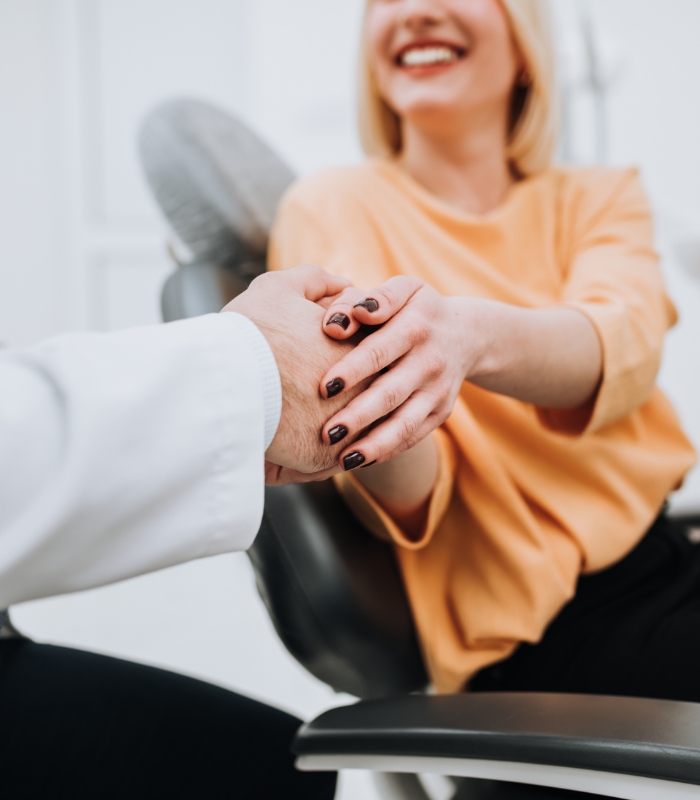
81	244
29	199
655	124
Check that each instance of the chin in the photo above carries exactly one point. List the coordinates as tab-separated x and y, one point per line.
430	98
424	110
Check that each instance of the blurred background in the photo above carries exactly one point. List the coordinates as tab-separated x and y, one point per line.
82	245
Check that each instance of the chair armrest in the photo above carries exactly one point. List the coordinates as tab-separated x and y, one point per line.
615	746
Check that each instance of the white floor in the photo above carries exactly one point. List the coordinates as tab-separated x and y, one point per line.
204	619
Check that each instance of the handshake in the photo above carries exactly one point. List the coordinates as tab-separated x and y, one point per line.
355	390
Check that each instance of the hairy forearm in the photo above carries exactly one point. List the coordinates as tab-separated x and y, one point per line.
549	357
403	486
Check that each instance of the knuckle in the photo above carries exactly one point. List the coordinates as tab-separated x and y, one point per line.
410	442
389	398
415	284
407	282
378	357
407	427
355	424
260	280
436	364
388	296
417	331
442	412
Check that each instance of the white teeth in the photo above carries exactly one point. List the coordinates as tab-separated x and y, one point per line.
427	56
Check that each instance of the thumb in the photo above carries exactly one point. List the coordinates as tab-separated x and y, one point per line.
315	283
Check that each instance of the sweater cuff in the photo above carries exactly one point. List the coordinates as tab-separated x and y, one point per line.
373	517
627	381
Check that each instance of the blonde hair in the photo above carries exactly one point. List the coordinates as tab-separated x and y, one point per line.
534	126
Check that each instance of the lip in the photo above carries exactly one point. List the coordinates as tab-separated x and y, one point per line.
460	50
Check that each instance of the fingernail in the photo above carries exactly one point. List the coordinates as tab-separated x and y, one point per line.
339	319
335	387
370	464
370	304
352	461
337	434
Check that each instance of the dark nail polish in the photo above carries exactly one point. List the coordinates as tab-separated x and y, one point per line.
337	434
368	303
335	387
369	465
352	461
339	319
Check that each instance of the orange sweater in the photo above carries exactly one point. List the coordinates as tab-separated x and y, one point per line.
526	498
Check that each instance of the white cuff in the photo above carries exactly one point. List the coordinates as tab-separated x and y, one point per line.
269	376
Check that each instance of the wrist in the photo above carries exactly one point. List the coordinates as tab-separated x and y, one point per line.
475	320
270	382
405	482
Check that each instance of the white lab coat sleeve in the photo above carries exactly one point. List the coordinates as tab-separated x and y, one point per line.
126	452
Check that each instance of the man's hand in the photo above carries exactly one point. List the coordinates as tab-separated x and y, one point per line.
287	308
281	476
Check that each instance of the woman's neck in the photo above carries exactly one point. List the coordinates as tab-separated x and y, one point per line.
469	171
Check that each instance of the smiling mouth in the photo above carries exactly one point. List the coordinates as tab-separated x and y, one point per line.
429	55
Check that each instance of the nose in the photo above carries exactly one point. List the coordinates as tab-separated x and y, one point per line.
417	15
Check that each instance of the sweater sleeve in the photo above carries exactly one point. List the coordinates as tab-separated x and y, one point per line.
373	517
615	280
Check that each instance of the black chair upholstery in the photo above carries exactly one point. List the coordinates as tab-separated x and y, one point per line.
334	594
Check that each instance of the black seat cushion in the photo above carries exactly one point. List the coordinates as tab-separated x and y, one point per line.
334	594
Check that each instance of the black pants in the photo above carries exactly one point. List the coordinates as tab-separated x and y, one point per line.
633	629
79	725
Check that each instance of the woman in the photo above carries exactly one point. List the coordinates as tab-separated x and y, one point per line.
524	302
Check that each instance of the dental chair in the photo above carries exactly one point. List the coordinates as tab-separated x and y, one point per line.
334	592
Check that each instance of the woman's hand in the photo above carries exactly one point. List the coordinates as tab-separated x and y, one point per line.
421	346
427	345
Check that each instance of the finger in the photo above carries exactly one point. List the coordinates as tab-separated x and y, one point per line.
326	302
281	476
407	426
339	321
378	351
315	283
381	304
385	395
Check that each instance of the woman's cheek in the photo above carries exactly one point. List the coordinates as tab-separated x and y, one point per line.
380	35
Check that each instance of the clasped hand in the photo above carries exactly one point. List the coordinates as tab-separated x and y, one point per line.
417	360
428	345
382	378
